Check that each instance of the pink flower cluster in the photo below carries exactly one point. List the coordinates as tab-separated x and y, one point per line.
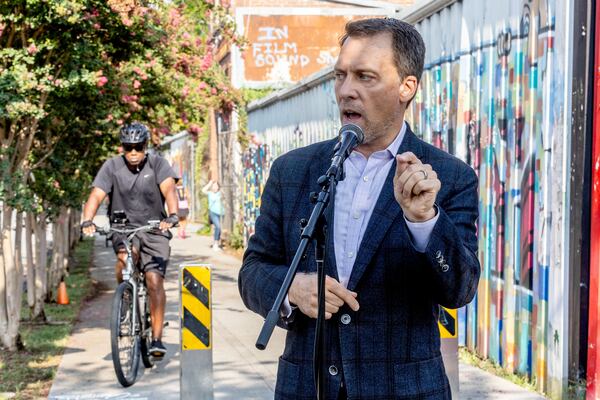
93	14
131	101
174	17
207	61
102	80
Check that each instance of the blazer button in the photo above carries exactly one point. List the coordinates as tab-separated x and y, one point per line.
333	371
345	319
445	268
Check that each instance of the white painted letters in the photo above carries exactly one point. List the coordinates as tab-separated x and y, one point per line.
273	46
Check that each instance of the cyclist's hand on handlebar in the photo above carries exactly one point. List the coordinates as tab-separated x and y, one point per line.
88	228
168	222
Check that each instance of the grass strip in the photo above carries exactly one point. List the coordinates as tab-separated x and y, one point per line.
28	373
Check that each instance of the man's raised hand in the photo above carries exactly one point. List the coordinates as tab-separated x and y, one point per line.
416	186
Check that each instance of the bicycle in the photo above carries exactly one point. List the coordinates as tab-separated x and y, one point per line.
130	324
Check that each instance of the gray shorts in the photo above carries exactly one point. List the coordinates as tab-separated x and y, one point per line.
153	248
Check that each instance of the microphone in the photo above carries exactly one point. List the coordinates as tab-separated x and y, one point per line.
350	137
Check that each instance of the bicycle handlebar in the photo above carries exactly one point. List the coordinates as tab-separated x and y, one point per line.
106	230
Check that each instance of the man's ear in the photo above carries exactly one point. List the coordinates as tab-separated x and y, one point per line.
408	88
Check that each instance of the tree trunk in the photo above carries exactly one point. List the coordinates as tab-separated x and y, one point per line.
3	280
10	292
41	266
29	257
75	233
18	252
213	171
66	242
55	261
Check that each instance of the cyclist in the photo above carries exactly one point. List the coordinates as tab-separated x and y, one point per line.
138	184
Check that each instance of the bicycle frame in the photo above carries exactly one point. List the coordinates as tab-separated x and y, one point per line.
130	274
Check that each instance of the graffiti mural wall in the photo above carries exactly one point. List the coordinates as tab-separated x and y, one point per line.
178	150
294	118
492	93
255	162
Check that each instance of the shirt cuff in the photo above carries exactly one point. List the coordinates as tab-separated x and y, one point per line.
286	308
421	231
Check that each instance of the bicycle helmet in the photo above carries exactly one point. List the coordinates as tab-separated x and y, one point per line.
135	132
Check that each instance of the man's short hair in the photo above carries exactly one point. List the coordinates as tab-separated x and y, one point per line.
407	43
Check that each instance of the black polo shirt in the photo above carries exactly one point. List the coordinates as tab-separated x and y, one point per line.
135	192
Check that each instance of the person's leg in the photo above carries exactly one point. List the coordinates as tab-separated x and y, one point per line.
183	224
120	265
181	229
215	219
158	299
121	253
154	254
211	218
217	233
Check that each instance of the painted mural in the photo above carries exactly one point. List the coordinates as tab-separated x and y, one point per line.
492	94
493	104
179	154
307	117
255	162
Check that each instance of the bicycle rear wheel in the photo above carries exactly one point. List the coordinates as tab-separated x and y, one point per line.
125	342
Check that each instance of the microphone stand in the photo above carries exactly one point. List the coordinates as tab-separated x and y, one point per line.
314	230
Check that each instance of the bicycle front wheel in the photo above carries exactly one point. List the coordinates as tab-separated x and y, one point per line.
125	342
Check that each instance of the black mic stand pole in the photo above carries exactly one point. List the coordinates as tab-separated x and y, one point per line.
315	230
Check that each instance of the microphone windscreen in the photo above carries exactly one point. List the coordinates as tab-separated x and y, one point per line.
354	129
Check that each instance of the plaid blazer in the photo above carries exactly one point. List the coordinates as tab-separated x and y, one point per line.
390	348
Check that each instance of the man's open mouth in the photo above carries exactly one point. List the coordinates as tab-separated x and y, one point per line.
351	116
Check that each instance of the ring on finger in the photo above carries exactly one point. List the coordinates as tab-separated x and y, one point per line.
424	174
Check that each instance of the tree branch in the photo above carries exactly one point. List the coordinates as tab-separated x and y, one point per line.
47	153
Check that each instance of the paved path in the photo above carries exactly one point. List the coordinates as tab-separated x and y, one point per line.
240	370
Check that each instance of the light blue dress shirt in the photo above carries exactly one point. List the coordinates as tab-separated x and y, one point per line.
355	200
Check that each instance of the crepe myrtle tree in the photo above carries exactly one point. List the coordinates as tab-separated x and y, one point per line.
71	72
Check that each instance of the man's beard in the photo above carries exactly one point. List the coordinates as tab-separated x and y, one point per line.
376	131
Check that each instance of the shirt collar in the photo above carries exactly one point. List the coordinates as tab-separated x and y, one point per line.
388	152
392	149
395	145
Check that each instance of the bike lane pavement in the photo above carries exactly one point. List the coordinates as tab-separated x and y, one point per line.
240	371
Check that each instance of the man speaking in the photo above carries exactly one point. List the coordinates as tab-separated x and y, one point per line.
401	238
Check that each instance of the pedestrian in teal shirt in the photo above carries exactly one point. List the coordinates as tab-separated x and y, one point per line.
215	210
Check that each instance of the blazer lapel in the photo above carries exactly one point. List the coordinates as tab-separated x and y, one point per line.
319	169
385	212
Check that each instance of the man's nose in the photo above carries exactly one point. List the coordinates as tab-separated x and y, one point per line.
347	88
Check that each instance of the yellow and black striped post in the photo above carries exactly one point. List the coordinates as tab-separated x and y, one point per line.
196	378
448	324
